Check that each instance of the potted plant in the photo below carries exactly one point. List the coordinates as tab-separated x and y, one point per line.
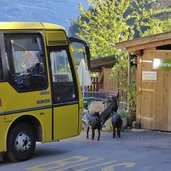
125	116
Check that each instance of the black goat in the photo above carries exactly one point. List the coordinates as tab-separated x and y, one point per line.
96	121
117	124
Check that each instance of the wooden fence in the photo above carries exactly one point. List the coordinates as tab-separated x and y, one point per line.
95	84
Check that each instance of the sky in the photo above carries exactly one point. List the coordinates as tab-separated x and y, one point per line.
53	11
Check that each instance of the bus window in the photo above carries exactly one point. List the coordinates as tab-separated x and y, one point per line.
64	88
25	61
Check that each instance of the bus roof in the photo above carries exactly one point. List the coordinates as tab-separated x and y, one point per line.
29	25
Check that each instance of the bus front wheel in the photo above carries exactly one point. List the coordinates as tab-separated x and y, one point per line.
21	142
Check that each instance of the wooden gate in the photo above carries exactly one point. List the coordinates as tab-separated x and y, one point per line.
154	91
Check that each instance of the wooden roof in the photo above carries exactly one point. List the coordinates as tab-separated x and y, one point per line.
98	64
145	42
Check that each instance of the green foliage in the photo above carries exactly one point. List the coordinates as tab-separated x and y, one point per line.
123	113
103	25
110	21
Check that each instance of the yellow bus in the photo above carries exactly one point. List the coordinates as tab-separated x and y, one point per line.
40	95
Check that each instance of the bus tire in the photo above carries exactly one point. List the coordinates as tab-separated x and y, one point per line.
21	142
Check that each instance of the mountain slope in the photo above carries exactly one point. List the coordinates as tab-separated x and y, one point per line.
53	11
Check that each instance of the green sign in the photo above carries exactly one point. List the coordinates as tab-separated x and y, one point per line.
161	64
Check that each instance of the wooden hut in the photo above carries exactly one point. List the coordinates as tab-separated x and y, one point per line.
103	66
153	79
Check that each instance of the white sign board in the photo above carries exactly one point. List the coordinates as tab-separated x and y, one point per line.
149	76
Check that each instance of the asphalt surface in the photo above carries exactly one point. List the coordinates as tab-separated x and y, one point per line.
136	150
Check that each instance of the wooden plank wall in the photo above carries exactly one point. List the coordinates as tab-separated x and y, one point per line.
154	98
103	84
110	82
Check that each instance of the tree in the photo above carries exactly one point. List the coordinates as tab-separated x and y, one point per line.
110	21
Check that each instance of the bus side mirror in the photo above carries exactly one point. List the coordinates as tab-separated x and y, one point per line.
87	49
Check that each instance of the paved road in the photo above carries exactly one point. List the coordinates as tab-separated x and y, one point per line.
134	151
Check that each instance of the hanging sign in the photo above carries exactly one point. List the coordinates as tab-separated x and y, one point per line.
161	64
149	76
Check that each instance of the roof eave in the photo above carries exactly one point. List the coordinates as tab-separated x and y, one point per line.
140	43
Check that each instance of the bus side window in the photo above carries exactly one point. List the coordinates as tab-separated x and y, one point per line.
26	61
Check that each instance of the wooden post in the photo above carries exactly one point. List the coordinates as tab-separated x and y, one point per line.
128	81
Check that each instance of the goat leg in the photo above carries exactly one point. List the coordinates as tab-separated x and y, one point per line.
93	134
98	134
88	128
119	132
114	132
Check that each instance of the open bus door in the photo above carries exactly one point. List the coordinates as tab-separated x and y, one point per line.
65	91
